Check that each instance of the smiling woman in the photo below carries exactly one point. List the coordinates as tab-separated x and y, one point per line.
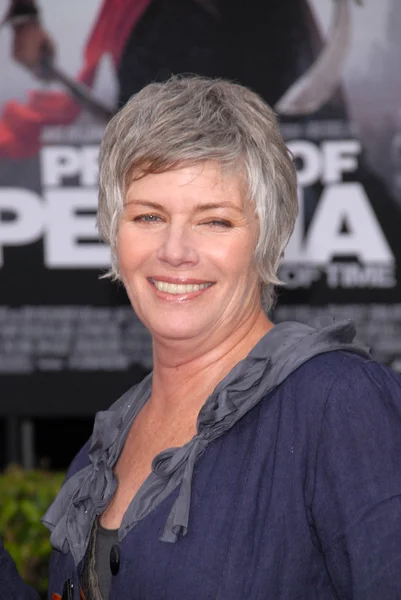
191	122
255	461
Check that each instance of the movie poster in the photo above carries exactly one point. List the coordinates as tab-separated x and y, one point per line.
69	341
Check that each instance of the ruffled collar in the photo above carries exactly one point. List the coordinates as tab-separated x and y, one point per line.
87	492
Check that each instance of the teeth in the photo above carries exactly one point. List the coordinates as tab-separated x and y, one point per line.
179	288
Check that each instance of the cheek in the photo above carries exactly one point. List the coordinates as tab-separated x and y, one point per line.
124	251
131	249
240	257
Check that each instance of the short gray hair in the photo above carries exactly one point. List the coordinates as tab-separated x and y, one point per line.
193	120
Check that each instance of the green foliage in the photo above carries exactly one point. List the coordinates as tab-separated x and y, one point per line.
24	498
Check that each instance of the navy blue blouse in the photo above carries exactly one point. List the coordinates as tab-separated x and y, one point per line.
299	500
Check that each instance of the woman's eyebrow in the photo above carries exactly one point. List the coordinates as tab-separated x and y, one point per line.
147	203
197	208
214	205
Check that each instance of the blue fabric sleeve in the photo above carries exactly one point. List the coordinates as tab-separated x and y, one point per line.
12	587
357	496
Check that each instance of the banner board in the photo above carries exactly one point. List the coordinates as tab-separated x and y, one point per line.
69	341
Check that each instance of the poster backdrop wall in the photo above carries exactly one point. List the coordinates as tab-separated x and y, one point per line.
69	342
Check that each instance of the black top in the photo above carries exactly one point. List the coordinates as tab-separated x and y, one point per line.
100	562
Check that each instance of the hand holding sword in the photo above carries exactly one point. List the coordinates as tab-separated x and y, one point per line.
29	44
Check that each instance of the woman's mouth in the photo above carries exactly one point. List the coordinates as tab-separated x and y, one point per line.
179	289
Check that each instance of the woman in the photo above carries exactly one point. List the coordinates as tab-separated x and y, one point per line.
256	461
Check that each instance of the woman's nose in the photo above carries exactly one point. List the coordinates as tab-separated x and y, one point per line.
177	247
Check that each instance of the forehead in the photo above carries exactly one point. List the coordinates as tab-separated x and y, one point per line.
189	182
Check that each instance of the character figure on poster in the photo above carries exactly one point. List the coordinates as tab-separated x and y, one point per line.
149	41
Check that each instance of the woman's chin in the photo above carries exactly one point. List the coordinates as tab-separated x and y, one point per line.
175	332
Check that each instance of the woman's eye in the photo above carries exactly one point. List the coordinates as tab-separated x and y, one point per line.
219	223
147	219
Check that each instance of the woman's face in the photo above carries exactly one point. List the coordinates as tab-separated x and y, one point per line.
186	243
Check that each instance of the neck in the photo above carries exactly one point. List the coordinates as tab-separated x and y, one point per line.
188	375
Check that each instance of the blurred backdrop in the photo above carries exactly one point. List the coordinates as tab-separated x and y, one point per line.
69	342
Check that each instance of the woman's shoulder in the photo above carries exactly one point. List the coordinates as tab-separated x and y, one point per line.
338	369
361	390
332	384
